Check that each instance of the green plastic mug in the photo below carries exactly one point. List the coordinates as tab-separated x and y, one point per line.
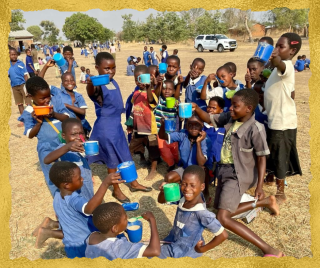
170	102
171	192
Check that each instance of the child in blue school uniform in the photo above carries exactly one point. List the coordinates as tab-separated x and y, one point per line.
73	151
299	65
164	54
95	52
130	69
113	147
46	128
146	57
72	100
73	211
88	74
254	70
111	221
306	61
192	217
154	57
70	62
86	52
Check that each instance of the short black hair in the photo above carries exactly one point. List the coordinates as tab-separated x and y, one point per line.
304	56
173	57
27	50
12	49
61	172
139	58
95	47
299	57
200	60
249	97
232	66
103	56
267	39
58	50
225	67
107	215
169	82
88	69
141	69
175	50
164	46
254	60
67	48
196	170
35	84
69	121
294	41
32	46
219	100
65	74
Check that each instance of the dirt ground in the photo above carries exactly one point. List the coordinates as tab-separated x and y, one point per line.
31	200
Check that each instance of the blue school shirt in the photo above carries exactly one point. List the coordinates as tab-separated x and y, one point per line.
227	101
188	154
130	70
164	58
147	58
261	117
86	53
29	62
193	91
95	52
187	230
64	68
130	58
16	73
75	224
115	248
216	135
299	65
307	61
154	59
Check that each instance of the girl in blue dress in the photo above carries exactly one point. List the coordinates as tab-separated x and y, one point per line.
113	146
192	217
46	128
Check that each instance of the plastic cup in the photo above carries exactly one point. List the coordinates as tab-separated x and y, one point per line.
134	231
91	148
263	52
170	102
59	59
170	125
163	68
171	192
185	110
127	171
100	80
144	78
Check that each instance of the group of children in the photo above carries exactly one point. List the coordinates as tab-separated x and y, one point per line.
230	139
302	63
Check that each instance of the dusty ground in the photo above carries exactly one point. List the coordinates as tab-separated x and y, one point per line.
31	200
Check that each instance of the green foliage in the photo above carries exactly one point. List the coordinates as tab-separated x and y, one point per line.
36	31
129	28
209	23
51	32
285	18
16	20
82	27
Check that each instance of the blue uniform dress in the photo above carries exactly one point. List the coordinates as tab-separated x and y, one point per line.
107	129
48	139
79	159
79	102
86	53
115	248
164	57
147	58
130	70
187	230
128	108
154	59
193	91
75	224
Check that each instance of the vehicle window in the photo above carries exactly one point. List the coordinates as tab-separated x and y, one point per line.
208	37
200	37
221	36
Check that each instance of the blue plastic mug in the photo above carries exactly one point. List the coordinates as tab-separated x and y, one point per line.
59	59
100	80
144	78
130	206
263	52
185	110
170	125
163	68
127	171
134	231
91	147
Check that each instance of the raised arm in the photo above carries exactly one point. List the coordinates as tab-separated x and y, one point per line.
153	249
203	94
277	62
90	87
75	146
77	110
216	241
162	133
178	89
149	94
205	117
50	63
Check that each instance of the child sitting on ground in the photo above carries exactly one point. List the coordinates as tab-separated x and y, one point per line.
306	62
111	220
191	219
130	68
73	151
194	148
254	70
144	125
226	91
45	127
242	166
73	211
168	152
83	75
299	65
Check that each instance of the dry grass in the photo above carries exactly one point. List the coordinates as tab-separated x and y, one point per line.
31	200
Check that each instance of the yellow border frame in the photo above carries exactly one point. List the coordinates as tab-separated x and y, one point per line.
177	5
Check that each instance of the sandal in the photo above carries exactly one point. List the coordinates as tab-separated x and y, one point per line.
147	189
124	201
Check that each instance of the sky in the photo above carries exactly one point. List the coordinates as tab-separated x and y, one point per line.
109	19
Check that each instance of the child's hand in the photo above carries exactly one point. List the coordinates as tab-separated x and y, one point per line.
194	72
160	78
70	60
161	186
148	215
112	178
89	80
38	118
202	136
247	77
199	246
259	193
180	79
129	130
211	77
50	63
275	58
51	113
75	146
162	121
194	106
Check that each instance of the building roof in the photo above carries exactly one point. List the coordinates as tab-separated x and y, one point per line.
19	34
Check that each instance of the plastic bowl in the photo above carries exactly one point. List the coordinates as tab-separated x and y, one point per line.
100	80
42	110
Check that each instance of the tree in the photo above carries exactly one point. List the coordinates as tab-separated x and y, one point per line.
82	27
36	31
51	32
129	28
16	20
248	29
229	17
210	23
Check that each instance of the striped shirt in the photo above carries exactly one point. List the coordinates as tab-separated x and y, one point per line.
162	111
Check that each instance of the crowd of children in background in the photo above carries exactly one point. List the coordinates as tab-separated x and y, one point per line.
238	132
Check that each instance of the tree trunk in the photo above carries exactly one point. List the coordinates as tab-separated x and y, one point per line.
248	30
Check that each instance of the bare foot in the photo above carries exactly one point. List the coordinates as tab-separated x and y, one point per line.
151	175
273	206
137	185
20	124
45	224
42	236
281	198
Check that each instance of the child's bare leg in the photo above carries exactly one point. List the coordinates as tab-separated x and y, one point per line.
48	224
153	171
44	234
243	231
269	202
116	189
136	185
281	197
142	161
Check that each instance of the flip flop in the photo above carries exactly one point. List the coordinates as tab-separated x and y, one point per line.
147	189
124	201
